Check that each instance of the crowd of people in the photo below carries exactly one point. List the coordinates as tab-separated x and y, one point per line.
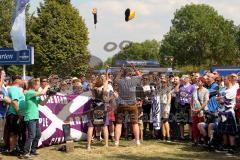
160	106
152	105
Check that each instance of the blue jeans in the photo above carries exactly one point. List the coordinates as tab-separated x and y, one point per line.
34	134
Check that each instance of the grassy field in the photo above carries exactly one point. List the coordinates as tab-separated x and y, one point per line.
151	149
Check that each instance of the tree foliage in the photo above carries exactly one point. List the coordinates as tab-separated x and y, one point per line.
6	12
147	50
200	36
60	38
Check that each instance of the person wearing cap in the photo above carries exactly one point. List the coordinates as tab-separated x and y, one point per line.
185	97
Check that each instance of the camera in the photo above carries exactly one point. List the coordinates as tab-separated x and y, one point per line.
52	91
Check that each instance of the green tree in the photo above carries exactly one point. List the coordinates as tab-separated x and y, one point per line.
6	12
200	36
7	8
60	38
147	50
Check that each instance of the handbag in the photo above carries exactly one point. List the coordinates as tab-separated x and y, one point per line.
99	112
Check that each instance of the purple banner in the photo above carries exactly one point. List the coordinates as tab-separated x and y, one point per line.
61	109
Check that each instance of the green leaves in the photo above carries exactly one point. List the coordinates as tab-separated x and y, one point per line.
6	10
147	50
60	38
199	36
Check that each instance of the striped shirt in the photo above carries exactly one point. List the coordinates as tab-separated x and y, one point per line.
127	89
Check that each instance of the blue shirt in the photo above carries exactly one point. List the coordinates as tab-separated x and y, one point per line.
85	86
213	91
3	106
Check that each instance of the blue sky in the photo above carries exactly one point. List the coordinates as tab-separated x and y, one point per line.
152	21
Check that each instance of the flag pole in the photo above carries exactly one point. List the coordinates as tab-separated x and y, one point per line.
24	72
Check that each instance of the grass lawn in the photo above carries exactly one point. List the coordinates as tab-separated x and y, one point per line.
151	149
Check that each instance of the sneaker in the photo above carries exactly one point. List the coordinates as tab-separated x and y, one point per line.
182	139
164	139
34	153
221	149
105	146
138	143
231	151
88	148
195	144
168	139
116	143
14	153
26	156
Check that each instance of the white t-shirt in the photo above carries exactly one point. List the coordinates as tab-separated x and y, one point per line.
230	98
236	86
146	88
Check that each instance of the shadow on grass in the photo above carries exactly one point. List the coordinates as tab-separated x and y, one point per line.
138	157
172	156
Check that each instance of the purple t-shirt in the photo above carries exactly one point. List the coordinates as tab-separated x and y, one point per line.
185	94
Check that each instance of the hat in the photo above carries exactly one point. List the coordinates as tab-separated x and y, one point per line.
171	75
234	75
74	78
185	76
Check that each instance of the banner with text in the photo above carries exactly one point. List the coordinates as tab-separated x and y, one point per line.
60	109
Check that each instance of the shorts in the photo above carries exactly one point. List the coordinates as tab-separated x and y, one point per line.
130	110
140	124
165	111
183	115
111	116
90	121
12	124
229	126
